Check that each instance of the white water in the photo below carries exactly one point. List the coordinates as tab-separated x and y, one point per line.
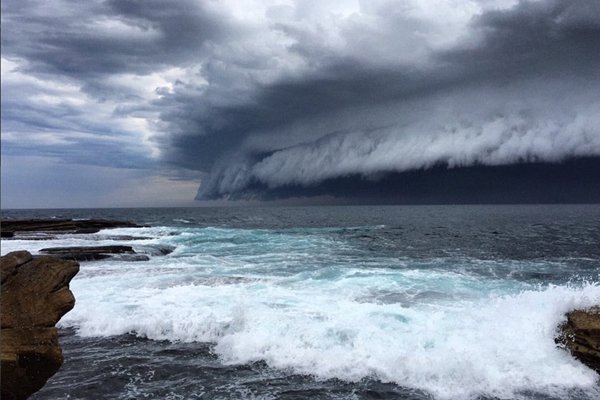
292	303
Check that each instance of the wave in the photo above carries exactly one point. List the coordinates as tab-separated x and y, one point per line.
320	301
496	346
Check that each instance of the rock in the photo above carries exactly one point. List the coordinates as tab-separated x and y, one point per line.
34	296
581	336
126	237
11	261
56	235
156	249
88	253
132	257
12	226
121	253
165	250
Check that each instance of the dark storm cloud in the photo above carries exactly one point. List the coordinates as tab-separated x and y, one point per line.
87	39
265	102
536	37
205	134
525	90
572	181
89	51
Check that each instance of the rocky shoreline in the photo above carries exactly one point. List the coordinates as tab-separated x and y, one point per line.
13	227
34	295
581	336
48	229
93	253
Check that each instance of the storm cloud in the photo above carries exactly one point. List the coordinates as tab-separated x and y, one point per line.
524	91
285	98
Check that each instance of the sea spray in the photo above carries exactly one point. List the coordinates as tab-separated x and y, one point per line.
497	345
467	309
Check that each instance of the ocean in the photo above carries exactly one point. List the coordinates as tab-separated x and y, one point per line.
365	302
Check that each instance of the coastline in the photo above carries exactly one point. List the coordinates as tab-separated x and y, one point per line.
206	349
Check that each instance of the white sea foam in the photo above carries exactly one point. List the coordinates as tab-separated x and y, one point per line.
304	303
496	345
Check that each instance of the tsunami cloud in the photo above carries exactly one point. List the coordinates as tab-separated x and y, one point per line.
276	98
525	92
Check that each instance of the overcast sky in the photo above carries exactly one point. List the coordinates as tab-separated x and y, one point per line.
141	103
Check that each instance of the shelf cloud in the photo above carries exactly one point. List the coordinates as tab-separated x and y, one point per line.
272	97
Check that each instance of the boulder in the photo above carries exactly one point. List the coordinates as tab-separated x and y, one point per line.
34	295
581	336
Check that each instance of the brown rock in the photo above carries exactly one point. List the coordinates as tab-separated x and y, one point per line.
12	261
581	336
34	296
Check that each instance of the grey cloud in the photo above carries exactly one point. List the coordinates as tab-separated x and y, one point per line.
557	36
489	125
455	135
82	46
262	108
83	40
524	92
63	129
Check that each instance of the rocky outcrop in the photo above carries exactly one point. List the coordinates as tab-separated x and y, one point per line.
581	336
34	295
10	227
92	253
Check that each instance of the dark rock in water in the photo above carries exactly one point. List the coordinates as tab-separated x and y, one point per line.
32	236
156	249
126	237
164	250
9	226
120	253
131	257
34	295
56	235
88	253
581	336
7	234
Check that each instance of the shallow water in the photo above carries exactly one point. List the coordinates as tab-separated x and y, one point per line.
443	302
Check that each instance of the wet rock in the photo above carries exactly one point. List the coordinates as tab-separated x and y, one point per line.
34	295
581	336
156	249
165	250
125	237
10	227
131	257
54	236
88	253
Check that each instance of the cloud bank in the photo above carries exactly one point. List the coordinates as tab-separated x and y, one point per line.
261	98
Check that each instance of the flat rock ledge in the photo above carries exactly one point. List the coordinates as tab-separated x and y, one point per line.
34	295
10	227
93	253
581	336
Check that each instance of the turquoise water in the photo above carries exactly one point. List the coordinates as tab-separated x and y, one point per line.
340	302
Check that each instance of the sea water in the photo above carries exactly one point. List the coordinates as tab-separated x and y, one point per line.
427	302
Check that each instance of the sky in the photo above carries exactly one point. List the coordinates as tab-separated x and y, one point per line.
155	103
